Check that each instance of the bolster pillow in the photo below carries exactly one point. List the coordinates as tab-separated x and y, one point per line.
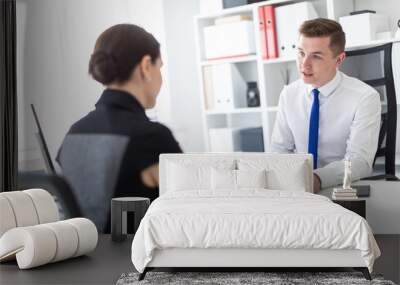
26	208
40	244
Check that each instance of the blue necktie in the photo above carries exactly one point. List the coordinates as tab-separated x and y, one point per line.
313	131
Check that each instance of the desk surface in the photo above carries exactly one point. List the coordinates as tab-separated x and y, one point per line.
102	266
382	206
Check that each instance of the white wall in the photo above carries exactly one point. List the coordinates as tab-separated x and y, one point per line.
391	8
183	78
55	40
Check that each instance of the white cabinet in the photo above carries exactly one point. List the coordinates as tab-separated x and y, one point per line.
271	75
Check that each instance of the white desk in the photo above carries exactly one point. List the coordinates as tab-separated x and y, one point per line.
383	205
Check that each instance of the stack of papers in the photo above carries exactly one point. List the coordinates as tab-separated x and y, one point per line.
344	194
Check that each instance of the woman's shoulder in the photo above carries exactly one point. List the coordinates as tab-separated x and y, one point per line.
156	128
156	136
149	129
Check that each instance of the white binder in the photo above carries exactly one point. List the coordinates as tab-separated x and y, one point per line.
229	40
229	87
288	19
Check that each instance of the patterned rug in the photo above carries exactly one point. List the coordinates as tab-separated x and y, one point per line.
242	278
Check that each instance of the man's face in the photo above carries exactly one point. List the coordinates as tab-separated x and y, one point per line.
316	62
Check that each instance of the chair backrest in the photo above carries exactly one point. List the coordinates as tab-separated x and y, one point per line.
43	145
374	66
91	163
291	170
57	186
51	181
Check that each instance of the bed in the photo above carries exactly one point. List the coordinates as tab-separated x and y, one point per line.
246	210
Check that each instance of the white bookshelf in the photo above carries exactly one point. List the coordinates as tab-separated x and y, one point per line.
372	43
271	75
230	60
235	111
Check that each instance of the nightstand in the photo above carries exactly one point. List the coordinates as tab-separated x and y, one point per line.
357	206
119	208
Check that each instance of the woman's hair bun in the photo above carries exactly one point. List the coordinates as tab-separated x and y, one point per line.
103	67
118	50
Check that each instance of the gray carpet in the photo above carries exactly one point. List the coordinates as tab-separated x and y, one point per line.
270	278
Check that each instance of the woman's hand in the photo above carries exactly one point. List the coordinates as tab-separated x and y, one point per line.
149	176
317	183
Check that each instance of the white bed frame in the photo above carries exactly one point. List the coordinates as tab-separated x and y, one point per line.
250	258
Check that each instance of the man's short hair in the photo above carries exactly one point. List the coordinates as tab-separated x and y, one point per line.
321	27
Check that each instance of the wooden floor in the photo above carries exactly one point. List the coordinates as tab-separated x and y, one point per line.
110	260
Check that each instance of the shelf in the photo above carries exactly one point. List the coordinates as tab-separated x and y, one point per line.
275	2
235	111
278	60
230	60
372	44
244	9
226	12
272	109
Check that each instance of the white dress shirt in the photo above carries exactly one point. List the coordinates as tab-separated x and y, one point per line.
349	122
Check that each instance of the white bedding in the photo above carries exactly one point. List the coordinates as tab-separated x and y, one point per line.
250	219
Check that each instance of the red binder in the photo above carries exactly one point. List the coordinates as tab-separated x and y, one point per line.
263	38
270	32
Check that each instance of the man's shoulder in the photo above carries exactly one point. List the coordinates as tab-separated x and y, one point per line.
294	88
357	87
299	83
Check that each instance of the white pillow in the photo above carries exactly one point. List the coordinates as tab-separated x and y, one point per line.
251	178
288	172
223	179
188	177
236	179
193	174
293	179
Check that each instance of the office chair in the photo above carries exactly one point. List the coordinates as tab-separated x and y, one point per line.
93	179
380	57
50	181
55	185
82	193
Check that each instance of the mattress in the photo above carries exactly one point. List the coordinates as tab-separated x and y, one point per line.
252	218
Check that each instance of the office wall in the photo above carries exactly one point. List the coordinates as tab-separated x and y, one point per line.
183	75
55	40
391	8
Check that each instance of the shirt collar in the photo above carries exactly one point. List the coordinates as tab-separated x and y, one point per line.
329	87
121	99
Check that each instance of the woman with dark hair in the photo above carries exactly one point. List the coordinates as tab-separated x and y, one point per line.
113	151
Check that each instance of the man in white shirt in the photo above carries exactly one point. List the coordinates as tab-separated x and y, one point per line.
325	112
